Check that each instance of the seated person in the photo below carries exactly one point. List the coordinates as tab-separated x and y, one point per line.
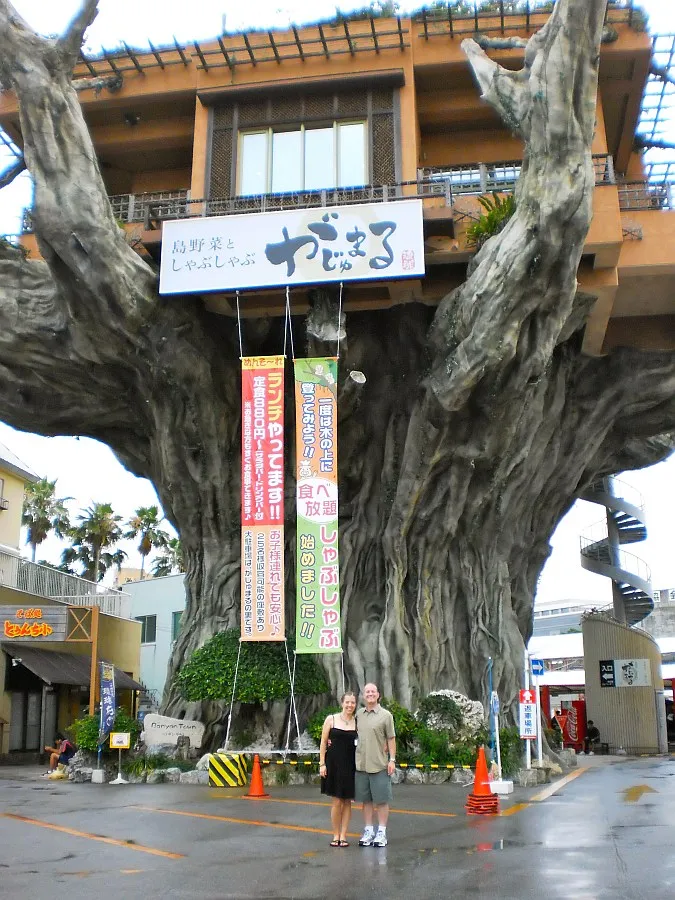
61	754
592	737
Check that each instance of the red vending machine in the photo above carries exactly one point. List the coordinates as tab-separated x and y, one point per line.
574	728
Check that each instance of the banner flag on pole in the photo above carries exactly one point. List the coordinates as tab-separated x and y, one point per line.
262	498
107	700
317	617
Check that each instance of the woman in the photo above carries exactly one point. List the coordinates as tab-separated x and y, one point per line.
337	764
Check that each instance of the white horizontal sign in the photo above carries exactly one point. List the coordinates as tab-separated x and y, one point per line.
299	246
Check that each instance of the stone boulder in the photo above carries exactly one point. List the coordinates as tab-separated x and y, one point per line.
203	764
414	776
438	776
462	776
172	775
156	777
473	715
81	774
527	777
194	777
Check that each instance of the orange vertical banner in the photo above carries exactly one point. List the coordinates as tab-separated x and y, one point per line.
262	498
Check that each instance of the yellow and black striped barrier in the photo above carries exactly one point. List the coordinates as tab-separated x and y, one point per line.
227	770
309	762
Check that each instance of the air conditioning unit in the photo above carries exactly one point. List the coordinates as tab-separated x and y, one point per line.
4	504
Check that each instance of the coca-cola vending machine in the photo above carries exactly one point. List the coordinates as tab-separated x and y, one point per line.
574	725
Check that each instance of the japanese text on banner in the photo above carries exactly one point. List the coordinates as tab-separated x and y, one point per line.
317	620
262	498
107	700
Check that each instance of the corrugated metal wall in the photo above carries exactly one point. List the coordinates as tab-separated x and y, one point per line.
626	716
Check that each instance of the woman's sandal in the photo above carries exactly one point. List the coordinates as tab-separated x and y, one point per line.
335	843
343	843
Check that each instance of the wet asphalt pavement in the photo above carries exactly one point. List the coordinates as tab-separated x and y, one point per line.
608	833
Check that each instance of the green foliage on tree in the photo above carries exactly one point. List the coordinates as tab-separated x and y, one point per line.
263	671
43	512
145	524
511	749
170	560
498	211
85	731
436	708
92	541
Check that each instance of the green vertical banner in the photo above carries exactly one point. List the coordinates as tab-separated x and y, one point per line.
317	615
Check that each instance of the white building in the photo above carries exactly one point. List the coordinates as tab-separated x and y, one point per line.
158	604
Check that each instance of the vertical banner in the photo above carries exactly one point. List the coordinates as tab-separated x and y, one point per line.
262	498
317	618
107	700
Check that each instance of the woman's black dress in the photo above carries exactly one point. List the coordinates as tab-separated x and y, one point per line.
340	764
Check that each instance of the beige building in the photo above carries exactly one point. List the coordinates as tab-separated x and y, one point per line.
55	629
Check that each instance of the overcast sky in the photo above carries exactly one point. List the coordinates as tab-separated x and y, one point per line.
88	471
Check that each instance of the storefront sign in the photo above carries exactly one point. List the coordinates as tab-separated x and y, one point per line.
300	246
120	740
528	715
625	673
34	623
165	730
107	699
317	619
262	499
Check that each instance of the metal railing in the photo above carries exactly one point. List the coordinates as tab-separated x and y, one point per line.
43	581
628	562
646	195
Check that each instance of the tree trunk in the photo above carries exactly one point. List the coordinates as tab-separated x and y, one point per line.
477	428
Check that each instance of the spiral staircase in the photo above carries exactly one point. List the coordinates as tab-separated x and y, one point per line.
602	553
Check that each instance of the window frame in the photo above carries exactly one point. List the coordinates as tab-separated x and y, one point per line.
144	628
270	130
175	624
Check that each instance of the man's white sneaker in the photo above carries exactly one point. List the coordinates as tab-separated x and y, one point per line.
380	839
366	839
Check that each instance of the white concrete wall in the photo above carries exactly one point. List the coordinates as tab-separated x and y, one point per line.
159	597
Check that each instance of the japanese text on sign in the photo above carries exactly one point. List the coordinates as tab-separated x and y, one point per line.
300	246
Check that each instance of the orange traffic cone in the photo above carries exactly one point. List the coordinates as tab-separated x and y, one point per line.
481	801
256	791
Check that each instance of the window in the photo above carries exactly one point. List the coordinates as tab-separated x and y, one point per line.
148	629
303	159
175	624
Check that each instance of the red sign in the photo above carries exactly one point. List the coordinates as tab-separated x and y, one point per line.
262	498
528	696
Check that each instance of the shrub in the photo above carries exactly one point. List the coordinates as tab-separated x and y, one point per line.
439	712
511	750
263	671
498	211
85	731
406	727
315	724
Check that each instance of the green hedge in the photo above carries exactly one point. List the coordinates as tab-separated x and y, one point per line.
85	731
263	671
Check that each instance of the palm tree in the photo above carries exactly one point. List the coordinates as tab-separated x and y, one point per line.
170	560
43	512
145	524
98	531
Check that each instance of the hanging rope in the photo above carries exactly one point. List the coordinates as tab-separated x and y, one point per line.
234	687
342	662
339	320
292	710
241	346
289	320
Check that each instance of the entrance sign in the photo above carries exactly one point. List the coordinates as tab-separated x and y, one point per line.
359	242
262	498
528	715
34	623
625	673
317	618
165	730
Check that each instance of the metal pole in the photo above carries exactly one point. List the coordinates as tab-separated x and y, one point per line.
540	727
492	725
526	673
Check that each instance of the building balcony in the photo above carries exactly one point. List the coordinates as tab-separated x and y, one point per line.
43	581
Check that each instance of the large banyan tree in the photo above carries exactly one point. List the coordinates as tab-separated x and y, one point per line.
479	424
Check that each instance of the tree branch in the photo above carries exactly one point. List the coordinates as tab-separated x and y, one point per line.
70	42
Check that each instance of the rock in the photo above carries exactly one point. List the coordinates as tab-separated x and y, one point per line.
160	750
80	775
162	730
194	777
203	764
553	767
398	777
543	774
527	777
414	776
568	758
136	778
172	775
473	714
462	776
156	777
438	776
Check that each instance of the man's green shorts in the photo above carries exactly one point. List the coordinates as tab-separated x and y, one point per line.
373	788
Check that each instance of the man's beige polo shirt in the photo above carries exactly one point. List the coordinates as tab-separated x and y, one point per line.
375	728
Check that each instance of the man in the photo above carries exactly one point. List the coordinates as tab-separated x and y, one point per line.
59	755
592	737
375	764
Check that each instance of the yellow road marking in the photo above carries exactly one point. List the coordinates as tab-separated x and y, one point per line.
195	815
93	837
557	785
130	871
407	812
512	810
633	794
